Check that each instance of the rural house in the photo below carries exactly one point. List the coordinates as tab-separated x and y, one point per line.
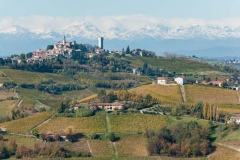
180	80
234	119
108	106
162	80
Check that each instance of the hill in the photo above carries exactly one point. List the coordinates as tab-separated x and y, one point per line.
161	92
174	65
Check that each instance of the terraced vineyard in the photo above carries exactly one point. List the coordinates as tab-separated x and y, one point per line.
161	92
136	122
95	124
212	95
23	125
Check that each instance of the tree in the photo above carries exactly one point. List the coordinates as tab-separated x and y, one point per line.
29	55
70	130
112	137
49	47
128	50
101	93
35	132
22	56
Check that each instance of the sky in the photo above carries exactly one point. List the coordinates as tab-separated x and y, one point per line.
45	13
204	9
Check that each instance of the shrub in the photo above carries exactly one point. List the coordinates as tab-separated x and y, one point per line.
83	112
112	137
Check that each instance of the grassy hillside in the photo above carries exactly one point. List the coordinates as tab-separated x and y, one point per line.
20	76
95	124
161	92
6	94
177	65
136	122
212	95
25	124
6	106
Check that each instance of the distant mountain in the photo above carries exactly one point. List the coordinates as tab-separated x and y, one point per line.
200	39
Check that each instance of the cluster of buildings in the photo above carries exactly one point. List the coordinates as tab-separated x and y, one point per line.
165	81
63	48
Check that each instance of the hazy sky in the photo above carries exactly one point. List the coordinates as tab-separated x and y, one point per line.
203	9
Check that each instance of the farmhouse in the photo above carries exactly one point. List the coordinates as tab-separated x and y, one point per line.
180	80
3	129
162	80
108	106
77	106
234	119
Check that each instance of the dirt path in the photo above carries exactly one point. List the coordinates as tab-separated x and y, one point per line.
233	148
183	93
19	102
6	75
108	129
238	97
48	119
90	149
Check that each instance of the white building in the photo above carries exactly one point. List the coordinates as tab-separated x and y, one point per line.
100	42
234	119
180	80
162	80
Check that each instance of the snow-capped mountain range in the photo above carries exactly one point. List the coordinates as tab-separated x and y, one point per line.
89	31
157	37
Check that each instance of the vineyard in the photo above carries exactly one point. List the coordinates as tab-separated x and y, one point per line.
6	94
223	153
89	98
229	108
172	65
136	122
51	103
27	103
101	148
23	125
78	94
212	95
161	92
35	94
95	124
132	145
20	76
6	106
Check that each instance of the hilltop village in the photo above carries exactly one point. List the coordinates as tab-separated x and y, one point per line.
67	49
